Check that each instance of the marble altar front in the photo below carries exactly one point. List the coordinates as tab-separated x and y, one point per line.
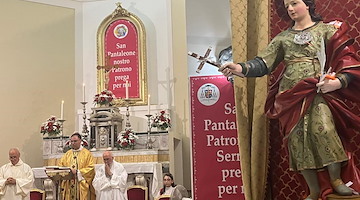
149	164
122	156
151	171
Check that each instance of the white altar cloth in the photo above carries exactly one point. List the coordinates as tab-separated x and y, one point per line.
131	168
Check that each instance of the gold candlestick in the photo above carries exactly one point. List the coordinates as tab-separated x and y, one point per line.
127	104
85	131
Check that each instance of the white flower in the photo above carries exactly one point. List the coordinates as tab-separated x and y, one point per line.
161	120
51	126
127	138
104	97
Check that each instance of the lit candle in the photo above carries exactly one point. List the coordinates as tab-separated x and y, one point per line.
149	104
83	93
127	90
62	110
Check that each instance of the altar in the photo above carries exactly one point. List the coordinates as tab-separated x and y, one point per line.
150	154
149	164
152	172
122	156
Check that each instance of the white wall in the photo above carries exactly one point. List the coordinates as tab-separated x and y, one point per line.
208	24
157	25
204	28
37	72
156	16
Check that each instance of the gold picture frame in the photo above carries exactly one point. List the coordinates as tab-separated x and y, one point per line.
103	67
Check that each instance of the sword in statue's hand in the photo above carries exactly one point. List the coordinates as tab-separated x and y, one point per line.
204	59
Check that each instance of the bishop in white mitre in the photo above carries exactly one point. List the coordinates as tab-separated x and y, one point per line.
16	178
110	179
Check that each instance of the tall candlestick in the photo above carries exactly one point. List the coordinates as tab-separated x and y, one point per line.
149	104
83	92
127	90
62	110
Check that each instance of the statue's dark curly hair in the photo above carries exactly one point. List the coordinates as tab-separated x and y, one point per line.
312	7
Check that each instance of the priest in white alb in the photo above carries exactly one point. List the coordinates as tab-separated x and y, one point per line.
16	178
110	179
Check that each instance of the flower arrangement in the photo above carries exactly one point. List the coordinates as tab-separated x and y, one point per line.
161	120
51	126
126	139
104	98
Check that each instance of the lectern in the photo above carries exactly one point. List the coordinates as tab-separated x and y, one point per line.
58	174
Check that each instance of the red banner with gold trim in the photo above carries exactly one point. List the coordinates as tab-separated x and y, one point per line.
121	50
215	152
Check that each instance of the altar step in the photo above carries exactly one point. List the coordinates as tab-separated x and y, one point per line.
337	197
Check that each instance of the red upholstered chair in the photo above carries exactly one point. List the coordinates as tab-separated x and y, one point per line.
137	192
164	197
36	194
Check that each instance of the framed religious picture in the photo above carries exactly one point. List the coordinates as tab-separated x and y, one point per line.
121	53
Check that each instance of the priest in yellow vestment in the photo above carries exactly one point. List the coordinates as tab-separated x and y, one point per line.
81	162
